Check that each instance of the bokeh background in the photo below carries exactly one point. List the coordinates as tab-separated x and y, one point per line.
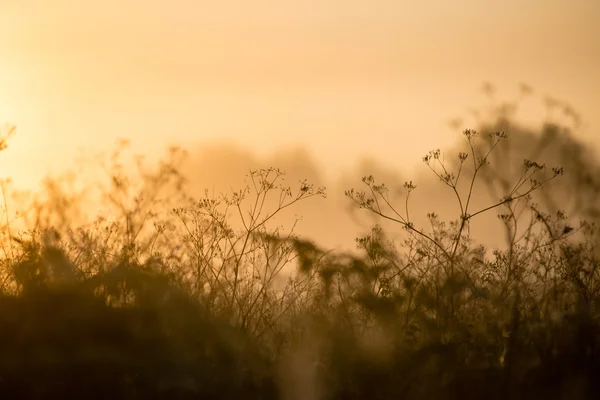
327	90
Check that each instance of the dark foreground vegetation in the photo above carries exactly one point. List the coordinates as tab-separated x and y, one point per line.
207	298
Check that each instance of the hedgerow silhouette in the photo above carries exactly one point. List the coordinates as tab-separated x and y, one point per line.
163	296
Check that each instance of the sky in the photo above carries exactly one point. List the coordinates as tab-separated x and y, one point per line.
343	79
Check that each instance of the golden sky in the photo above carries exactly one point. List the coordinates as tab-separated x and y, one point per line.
343	78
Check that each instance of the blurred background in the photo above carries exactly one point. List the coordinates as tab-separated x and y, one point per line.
325	90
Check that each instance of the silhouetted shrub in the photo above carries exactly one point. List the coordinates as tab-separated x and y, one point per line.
163	296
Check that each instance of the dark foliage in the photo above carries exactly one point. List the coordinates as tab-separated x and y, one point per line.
67	343
181	301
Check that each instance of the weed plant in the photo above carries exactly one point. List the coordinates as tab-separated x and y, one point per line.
162	296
